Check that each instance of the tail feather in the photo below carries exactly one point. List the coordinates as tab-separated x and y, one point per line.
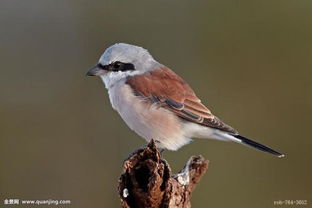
257	145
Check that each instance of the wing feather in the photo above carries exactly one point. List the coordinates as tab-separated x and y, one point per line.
173	93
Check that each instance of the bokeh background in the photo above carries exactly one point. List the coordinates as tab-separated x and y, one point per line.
249	61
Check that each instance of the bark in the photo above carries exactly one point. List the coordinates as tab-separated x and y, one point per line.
147	181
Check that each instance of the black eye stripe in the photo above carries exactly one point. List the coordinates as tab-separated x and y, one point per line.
101	66
120	66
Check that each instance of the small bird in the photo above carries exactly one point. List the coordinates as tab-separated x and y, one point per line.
158	104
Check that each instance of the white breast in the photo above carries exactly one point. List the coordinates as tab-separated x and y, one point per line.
148	120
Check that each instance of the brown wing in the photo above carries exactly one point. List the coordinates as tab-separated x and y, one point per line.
166	87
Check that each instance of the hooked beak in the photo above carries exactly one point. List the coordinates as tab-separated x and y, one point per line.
95	71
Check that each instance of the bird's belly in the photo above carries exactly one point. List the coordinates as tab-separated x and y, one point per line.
146	119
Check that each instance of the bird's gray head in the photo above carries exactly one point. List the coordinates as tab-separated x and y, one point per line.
122	60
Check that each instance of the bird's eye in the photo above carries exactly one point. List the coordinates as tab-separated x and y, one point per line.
117	65
120	66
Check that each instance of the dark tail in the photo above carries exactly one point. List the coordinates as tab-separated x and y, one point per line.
258	146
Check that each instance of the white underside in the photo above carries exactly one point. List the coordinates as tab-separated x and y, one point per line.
153	122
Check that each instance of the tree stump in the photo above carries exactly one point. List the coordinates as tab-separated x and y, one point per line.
147	181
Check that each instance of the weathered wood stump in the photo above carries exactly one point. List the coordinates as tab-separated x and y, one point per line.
147	181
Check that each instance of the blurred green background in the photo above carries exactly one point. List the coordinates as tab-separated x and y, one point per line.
249	61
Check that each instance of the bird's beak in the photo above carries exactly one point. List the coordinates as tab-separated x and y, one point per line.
94	71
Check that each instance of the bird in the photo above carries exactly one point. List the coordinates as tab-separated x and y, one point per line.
158	104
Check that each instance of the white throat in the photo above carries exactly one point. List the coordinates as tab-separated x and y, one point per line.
112	78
